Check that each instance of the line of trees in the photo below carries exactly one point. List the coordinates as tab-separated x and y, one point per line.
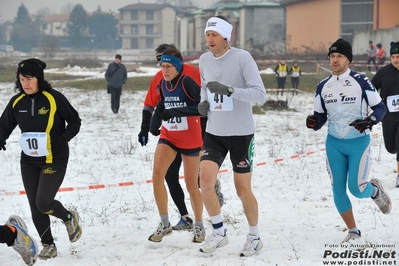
94	31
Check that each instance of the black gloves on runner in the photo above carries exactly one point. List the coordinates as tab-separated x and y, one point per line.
203	107
2	144
145	127
218	88
362	124
311	121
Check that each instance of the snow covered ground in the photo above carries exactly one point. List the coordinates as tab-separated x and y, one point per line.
297	218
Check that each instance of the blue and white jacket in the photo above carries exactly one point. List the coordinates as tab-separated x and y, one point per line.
343	99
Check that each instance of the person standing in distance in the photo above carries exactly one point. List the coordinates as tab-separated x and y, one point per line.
372	51
231	83
47	122
386	81
343	99
116	76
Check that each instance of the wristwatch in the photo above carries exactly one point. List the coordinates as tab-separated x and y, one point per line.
373	119
230	91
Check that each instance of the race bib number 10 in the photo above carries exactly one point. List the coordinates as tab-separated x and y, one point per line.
219	102
34	144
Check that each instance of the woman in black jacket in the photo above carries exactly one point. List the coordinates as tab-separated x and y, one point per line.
47	122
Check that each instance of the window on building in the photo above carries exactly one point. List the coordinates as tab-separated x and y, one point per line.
356	15
134	43
150	15
134	15
149	43
149	29
134	29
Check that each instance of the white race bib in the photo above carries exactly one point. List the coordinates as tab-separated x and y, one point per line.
295	74
176	124
282	74
393	103
34	143
219	102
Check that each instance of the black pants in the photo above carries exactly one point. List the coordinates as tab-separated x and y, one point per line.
115	99
371	60
390	131
175	189
295	85
281	85
6	235
41	183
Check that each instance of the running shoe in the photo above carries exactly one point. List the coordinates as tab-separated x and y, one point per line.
198	234
25	245
185	224
73	228
252	246
352	236
382	199
160	232
49	251
214	241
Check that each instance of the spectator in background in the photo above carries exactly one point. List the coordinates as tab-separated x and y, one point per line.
381	56
295	72
281	71
116	76
386	80
371	52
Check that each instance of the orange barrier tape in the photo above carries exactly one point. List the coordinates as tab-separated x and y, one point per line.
148	181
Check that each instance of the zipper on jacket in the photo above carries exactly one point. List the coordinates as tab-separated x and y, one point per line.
33	107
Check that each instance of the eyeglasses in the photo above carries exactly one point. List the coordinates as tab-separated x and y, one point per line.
168	67
158	57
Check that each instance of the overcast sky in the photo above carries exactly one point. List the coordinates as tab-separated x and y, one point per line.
9	8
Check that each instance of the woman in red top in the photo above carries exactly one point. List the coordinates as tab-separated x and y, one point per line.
180	133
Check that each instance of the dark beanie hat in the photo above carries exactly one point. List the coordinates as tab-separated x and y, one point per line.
394	48
343	47
118	56
32	66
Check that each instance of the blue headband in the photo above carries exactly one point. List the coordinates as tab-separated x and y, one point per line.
172	60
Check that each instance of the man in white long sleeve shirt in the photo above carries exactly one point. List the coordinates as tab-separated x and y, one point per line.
231	83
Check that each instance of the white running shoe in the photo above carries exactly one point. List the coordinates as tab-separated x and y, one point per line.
252	246
397	181
352	237
214	241
160	232
48	252
382	199
73	228
25	245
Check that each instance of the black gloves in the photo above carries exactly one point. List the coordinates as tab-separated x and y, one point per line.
59	142
311	121
203	107
145	127
362	124
218	88
166	115
2	144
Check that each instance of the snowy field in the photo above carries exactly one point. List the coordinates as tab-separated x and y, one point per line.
297	218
